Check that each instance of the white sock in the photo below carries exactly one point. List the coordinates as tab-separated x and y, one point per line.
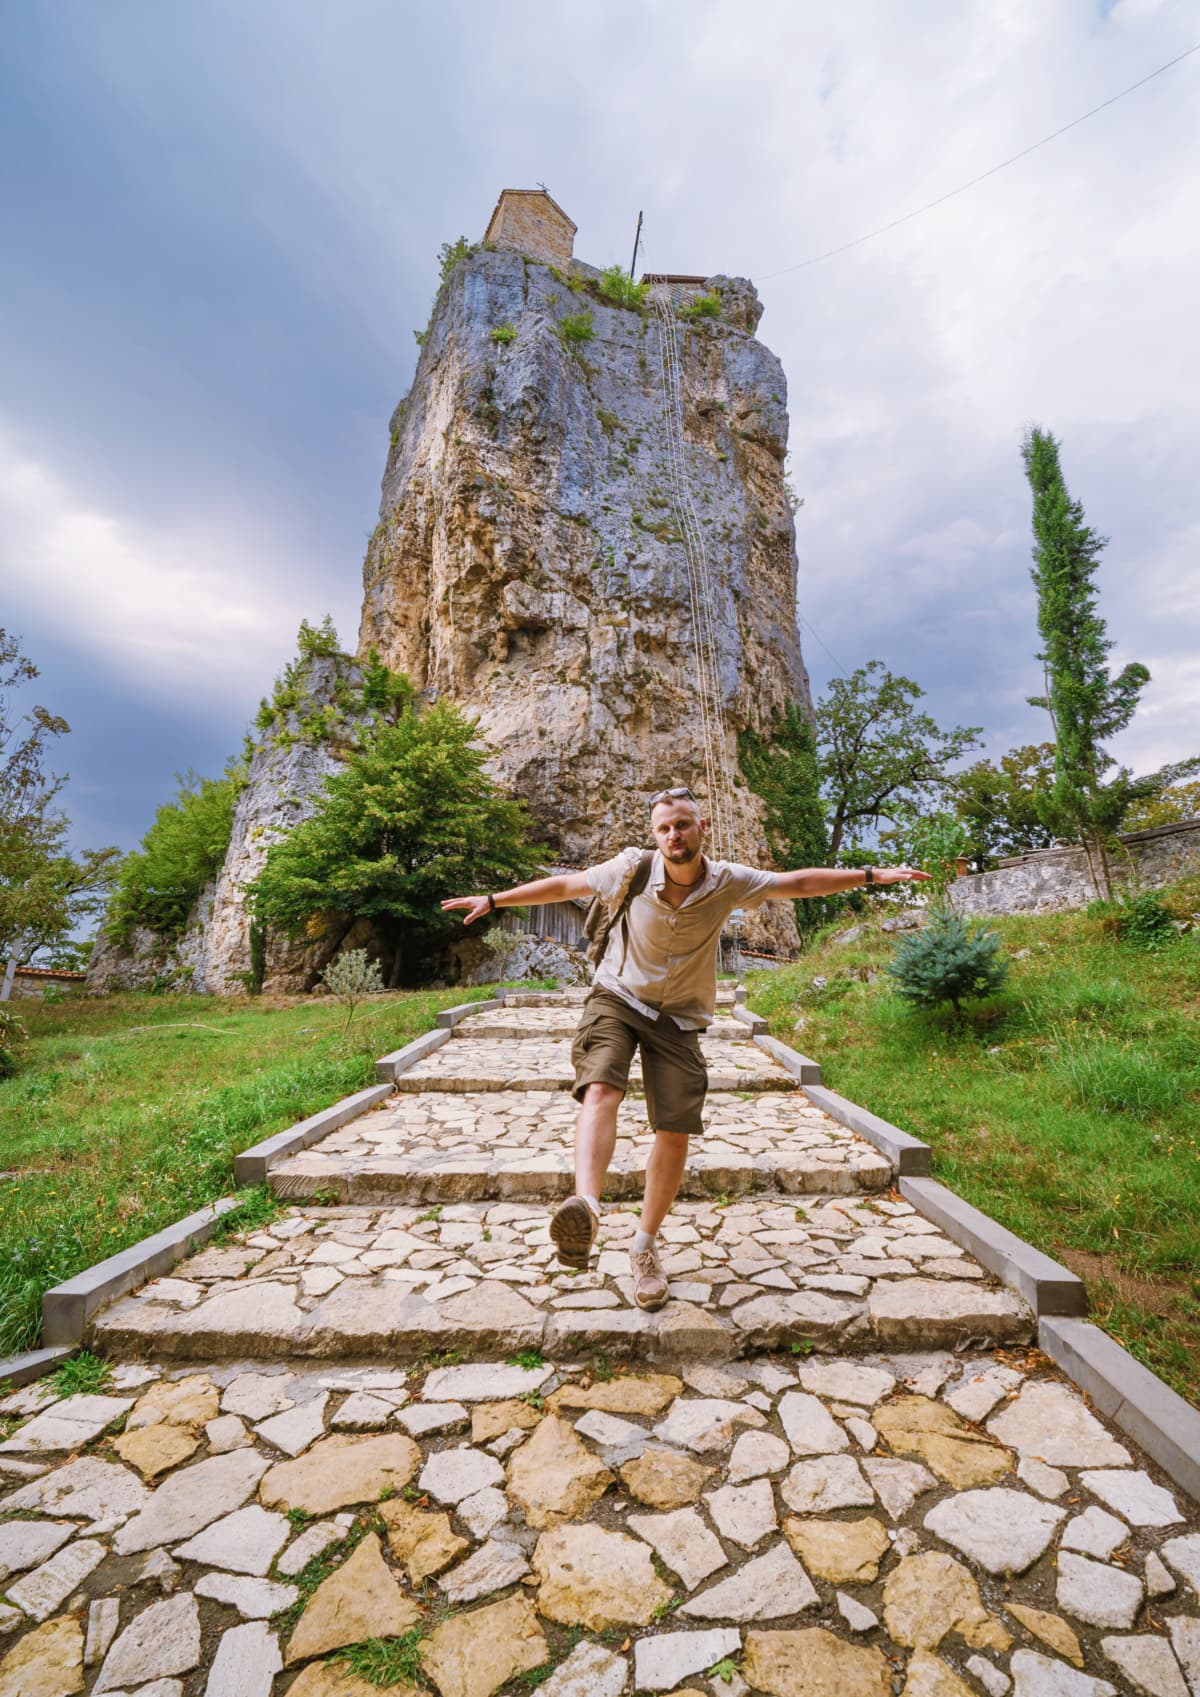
593	1202
643	1240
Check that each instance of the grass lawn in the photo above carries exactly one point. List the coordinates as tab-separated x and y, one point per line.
128	1111
1067	1107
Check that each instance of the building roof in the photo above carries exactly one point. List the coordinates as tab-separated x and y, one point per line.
671	277
48	972
535	194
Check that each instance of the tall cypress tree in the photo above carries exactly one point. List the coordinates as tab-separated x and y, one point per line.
1085	703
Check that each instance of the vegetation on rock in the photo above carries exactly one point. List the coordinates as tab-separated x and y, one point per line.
410	819
158	884
617	286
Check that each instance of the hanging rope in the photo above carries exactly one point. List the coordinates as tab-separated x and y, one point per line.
702	587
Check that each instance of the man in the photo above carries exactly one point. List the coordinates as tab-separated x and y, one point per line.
655	989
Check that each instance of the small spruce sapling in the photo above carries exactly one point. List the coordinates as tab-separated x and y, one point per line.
945	961
351	976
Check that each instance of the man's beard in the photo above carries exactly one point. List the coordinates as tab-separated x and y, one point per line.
683	857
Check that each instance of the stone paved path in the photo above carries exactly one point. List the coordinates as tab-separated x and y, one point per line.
400	1423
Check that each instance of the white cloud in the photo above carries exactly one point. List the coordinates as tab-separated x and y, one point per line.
184	614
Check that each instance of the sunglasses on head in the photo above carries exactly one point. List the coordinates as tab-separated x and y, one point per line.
679	793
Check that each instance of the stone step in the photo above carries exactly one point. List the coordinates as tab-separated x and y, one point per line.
485	1063
517	1146
562	1021
759	1274
938	1523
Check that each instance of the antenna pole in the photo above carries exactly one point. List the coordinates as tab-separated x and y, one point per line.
636	240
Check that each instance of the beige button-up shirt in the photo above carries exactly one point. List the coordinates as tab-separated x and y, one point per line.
671	963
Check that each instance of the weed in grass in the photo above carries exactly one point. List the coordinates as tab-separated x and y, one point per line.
802	1346
723	1670
83	1374
433	1214
601	1368
661	1610
535	1399
527	1358
385	1661
1113	1079
531	1678
299	1518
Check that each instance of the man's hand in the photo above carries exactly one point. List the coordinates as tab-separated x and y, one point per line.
475	906
900	875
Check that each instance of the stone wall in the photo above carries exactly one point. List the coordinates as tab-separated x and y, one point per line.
1053	880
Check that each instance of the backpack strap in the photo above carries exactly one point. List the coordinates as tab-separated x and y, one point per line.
641	877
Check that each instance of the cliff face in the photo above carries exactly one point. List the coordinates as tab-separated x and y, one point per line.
528	565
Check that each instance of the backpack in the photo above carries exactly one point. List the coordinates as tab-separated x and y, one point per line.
600	919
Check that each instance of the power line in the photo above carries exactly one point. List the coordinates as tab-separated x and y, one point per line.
962	188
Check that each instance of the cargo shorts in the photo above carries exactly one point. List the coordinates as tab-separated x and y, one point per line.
673	1070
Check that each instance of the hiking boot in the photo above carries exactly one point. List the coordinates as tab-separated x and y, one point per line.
573	1231
649	1280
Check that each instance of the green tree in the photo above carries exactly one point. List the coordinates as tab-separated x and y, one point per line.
45	891
410	819
1086	703
782	768
1002	804
947	961
158	884
880	758
1171	806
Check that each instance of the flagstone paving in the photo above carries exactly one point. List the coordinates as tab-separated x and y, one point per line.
832	1466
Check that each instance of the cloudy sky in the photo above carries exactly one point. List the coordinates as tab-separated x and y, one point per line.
221	220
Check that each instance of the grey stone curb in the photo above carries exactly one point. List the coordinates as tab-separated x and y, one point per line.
388	1066
755	1021
253	1165
1133	1398
450	1017
67	1308
16	1370
1048	1287
907	1154
791	1060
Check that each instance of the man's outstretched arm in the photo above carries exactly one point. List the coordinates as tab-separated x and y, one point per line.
540	893
830	880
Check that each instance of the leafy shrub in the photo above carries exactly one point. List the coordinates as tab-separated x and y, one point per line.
576	329
617	286
946	962
351	976
703	306
1145	922
158	884
12	1035
452	254
318	640
504	333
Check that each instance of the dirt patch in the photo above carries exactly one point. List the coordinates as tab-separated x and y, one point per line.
1163	1297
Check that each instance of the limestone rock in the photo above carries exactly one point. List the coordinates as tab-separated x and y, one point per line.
296	1428
102	1492
339	1471
1184	1556
829	1482
915	1425
246	1541
744	1514
1049	1422
768	1588
930	1595
1003	1531
662	1661
67	1425
920	1313
665	1479
313	1541
1049	1482
597	1579
423	1543
1094	1533
842	1551
334	1679
245	1664
589	1671
993	1679
256	1396
928	1676
1160	1581
154	1448
1133	1495
855	1614
643	1393
1050	1629
800	1664
160	1641
359	1600
1038	1676
810	1428
1096	1593
41	1592
846	1381
474	1654
254	1599
898	1484
491	1419
483	1382
705	1424
554	1476
103	1619
492	1567
225	1433
683	1542
1185	1641
47	1662
485	1510
756	1453
450	1475
192	1401
190	1500
28	1543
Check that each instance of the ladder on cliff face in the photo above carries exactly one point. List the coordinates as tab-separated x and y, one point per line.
702	589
